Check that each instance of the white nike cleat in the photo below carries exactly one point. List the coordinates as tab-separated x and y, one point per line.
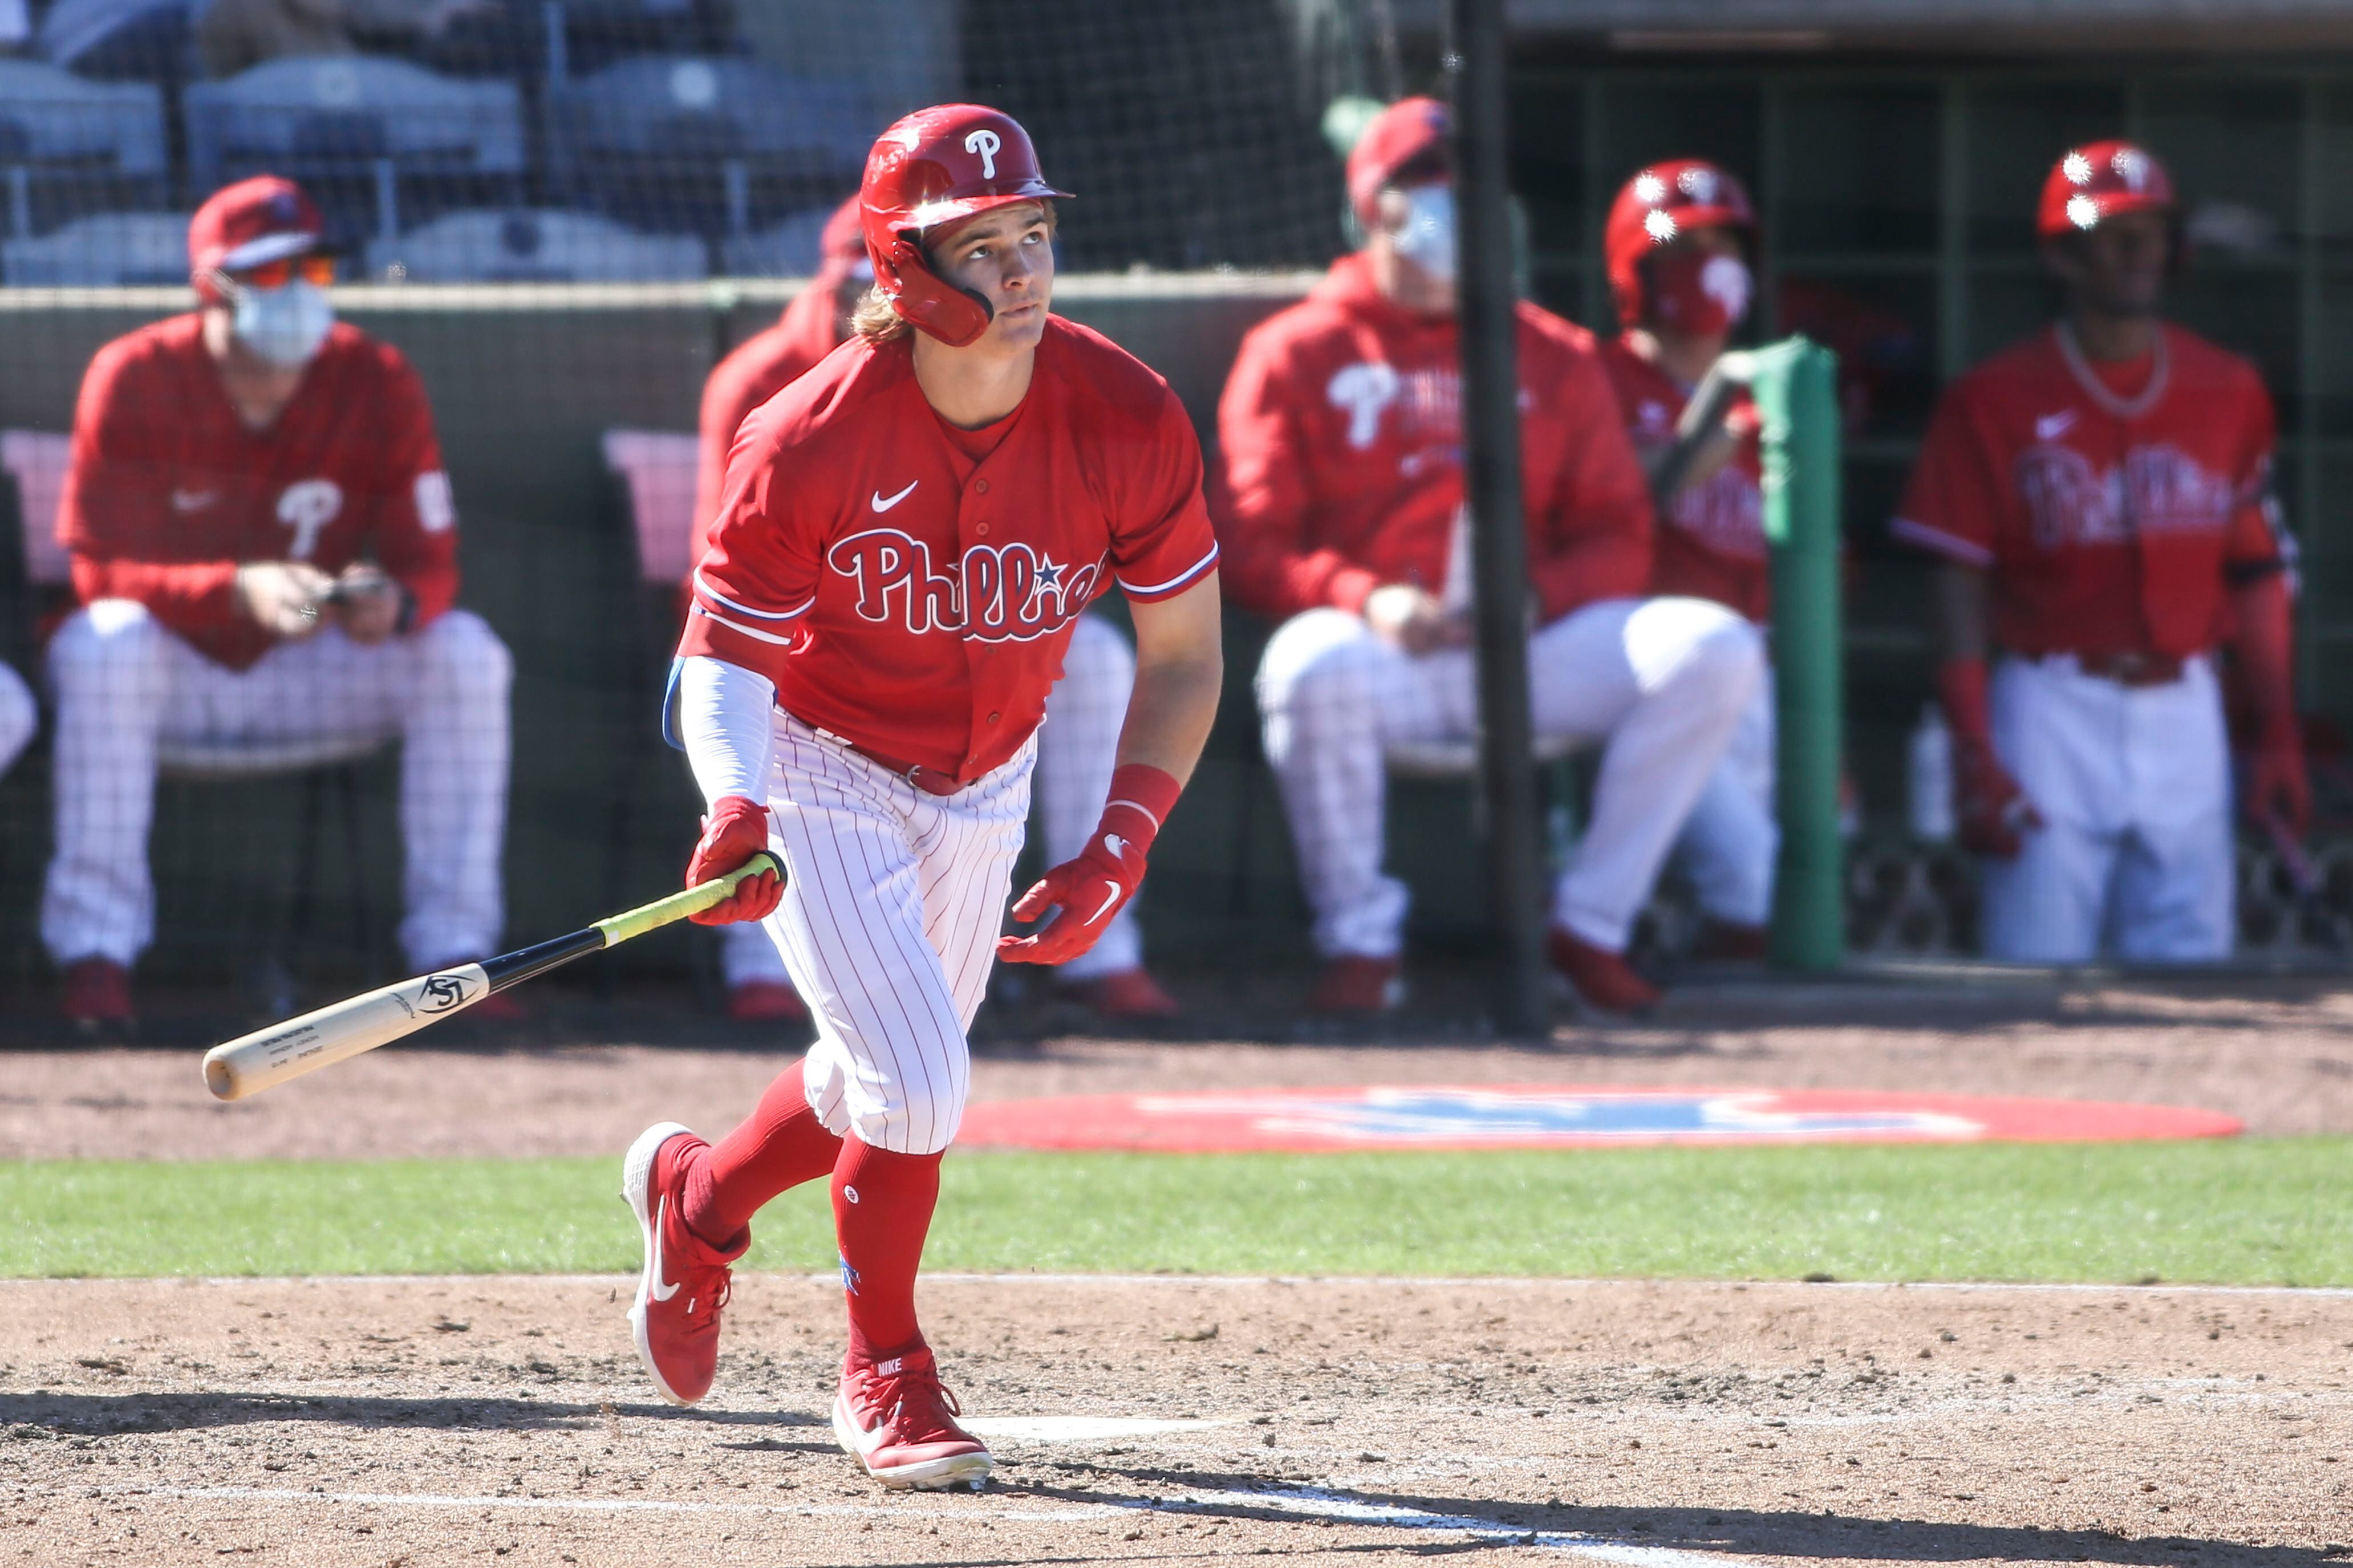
684	1283
897	1420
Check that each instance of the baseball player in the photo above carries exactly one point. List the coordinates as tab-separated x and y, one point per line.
1677	244
2101	498
904	542
1342	507
266	549
1076	744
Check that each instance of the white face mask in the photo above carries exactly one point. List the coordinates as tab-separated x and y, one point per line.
1426	239
283	326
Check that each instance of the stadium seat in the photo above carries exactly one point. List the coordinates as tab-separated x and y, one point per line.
375	142
69	147
110	250
528	245
710	146
120	40
788	249
36	461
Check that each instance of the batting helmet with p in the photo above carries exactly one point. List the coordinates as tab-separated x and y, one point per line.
2098	181
1656	206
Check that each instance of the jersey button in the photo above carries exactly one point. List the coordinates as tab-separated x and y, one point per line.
981	486
993	717
982	531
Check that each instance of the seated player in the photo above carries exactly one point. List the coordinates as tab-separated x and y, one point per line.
904	543
1677	244
266	550
1343	515
1083	717
2101	497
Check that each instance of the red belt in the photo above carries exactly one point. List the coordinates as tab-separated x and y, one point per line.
930	781
2132	669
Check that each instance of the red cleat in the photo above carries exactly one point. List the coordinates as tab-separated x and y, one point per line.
1603	979
1352	983
765	1002
897	1420
98	994
1127	993
683	1286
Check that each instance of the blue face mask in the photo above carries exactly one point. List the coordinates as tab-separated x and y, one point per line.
283	326
1427	236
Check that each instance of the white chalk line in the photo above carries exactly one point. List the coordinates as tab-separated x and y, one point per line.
1304	1502
1229	1282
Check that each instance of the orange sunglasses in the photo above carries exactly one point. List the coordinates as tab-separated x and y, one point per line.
317	267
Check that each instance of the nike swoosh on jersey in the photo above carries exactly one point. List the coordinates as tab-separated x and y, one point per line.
1109	899
193	500
2051	427
881	505
660	1289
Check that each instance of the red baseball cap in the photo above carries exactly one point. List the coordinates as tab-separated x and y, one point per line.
843	241
262	219
1403	134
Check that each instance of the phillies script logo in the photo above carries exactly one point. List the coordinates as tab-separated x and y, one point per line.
996	593
440	993
2157	489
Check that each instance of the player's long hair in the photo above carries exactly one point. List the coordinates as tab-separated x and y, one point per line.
877	320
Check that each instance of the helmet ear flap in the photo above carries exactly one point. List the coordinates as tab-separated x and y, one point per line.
955	315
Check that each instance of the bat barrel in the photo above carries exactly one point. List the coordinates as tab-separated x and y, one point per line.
271	1055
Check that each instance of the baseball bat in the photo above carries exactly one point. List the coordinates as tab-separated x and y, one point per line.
342	1030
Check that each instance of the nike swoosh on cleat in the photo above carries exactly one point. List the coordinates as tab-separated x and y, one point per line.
881	505
1109	899
659	1290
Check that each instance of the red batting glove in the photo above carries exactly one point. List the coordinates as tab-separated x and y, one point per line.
2277	789
1094	888
735	830
1990	810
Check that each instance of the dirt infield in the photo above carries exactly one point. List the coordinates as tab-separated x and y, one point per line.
2277	1054
429	1421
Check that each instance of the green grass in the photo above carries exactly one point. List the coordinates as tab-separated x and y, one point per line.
2257	1211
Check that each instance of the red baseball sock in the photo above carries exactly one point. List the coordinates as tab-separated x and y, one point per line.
881	1212
780	1145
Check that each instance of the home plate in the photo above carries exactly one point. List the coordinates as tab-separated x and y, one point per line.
1558	1116
1078	1428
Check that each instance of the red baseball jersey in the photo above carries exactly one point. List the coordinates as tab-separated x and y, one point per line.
169	492
1341	456
1711	539
2110	506
761	366
909	587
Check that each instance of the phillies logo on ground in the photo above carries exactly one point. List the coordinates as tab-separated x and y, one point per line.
994	592
1548	1116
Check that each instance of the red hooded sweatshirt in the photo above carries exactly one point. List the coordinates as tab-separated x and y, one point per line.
1341	457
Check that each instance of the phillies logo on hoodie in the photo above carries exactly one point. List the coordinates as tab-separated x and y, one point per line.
993	592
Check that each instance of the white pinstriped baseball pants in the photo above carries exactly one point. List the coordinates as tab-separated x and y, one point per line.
893	904
1077	748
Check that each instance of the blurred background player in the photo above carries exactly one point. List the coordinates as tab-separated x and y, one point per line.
1677	245
2101	496
264	547
1342	508
1076	745
906	538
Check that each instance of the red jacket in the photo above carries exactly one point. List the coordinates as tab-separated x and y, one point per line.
168	491
1341	457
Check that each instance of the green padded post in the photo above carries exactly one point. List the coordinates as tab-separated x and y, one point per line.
1797	398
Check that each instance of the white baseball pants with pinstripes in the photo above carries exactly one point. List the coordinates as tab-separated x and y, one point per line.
1076	750
889	923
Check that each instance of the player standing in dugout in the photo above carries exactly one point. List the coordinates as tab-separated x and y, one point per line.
906	537
2101	497
1077	746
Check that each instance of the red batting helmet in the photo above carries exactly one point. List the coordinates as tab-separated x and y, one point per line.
939	166
2099	180
1658	204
